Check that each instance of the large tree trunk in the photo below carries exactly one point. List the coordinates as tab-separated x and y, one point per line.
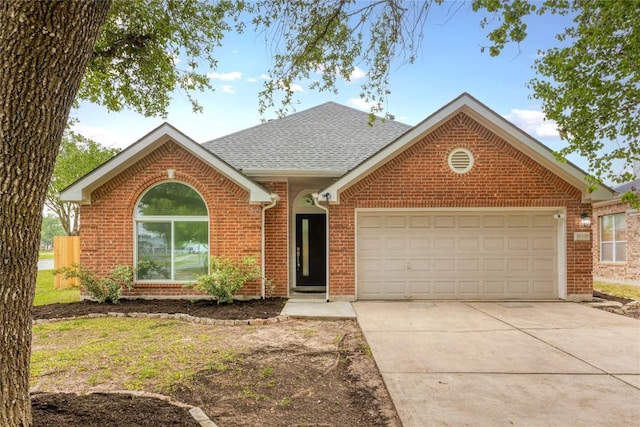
44	49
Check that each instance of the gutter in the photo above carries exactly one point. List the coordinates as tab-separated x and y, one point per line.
326	210
263	269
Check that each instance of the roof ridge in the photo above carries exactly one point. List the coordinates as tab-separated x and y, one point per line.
297	114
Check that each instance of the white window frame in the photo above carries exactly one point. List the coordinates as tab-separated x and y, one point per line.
613	242
166	219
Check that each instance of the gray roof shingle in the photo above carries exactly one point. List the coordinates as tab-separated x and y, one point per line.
327	138
629	186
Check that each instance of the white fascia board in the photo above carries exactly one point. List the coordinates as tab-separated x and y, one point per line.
80	191
488	118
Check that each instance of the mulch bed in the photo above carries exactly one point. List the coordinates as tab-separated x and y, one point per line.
106	410
611	297
240	310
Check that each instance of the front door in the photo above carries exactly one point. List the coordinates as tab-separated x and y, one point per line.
310	249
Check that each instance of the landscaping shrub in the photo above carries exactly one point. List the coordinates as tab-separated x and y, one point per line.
102	289
226	277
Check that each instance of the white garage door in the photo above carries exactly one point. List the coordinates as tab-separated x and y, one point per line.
457	255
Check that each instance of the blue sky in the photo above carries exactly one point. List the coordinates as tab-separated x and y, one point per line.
450	62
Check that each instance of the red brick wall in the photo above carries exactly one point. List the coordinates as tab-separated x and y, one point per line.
420	177
276	233
629	271
107	223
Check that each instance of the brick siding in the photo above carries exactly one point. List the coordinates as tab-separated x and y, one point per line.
420	177
276	242
626	272
107	223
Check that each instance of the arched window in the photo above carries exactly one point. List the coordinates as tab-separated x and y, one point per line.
172	234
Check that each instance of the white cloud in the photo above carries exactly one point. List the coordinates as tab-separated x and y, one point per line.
255	79
293	86
234	75
360	104
227	89
357	74
533	122
105	136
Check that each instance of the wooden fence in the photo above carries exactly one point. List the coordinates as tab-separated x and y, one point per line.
66	252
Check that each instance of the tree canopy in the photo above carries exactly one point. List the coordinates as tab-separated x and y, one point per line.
588	84
78	156
148	49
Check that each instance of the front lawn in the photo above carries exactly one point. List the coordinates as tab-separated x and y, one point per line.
45	255
47	294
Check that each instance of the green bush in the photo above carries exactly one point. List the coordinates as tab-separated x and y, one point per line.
102	289
226	277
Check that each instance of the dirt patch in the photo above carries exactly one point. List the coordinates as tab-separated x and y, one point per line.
298	372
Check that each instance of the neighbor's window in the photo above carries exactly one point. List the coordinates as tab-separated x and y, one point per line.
613	238
172	234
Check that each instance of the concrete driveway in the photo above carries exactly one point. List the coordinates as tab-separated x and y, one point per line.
510	363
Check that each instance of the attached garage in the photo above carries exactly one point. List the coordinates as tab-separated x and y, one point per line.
458	254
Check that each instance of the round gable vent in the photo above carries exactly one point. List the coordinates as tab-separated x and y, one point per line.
461	160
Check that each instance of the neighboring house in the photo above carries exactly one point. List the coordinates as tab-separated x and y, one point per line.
616	243
463	205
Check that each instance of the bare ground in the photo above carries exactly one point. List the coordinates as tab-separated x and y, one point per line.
297	372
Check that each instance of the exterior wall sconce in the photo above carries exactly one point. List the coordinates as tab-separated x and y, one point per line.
585	220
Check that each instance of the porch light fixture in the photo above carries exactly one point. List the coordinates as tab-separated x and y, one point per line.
585	220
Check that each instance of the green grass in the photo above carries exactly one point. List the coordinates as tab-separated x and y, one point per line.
622	291
47	294
137	354
46	255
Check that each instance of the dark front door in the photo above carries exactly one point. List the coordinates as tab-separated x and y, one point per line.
310	250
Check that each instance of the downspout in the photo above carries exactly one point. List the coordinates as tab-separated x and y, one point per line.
326	216
263	268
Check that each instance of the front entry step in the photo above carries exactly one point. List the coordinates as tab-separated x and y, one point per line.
310	289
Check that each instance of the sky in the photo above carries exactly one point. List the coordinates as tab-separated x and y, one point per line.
450	63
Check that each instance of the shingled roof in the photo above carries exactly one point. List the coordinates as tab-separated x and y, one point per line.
327	139
629	186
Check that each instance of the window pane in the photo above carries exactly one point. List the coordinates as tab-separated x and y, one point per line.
192	249
621	227
606	233
621	252
154	251
171	198
606	252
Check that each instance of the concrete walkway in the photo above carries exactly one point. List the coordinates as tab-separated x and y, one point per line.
45	264
306	308
496	364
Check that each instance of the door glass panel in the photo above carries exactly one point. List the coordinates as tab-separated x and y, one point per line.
305	247
154	251
191	249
